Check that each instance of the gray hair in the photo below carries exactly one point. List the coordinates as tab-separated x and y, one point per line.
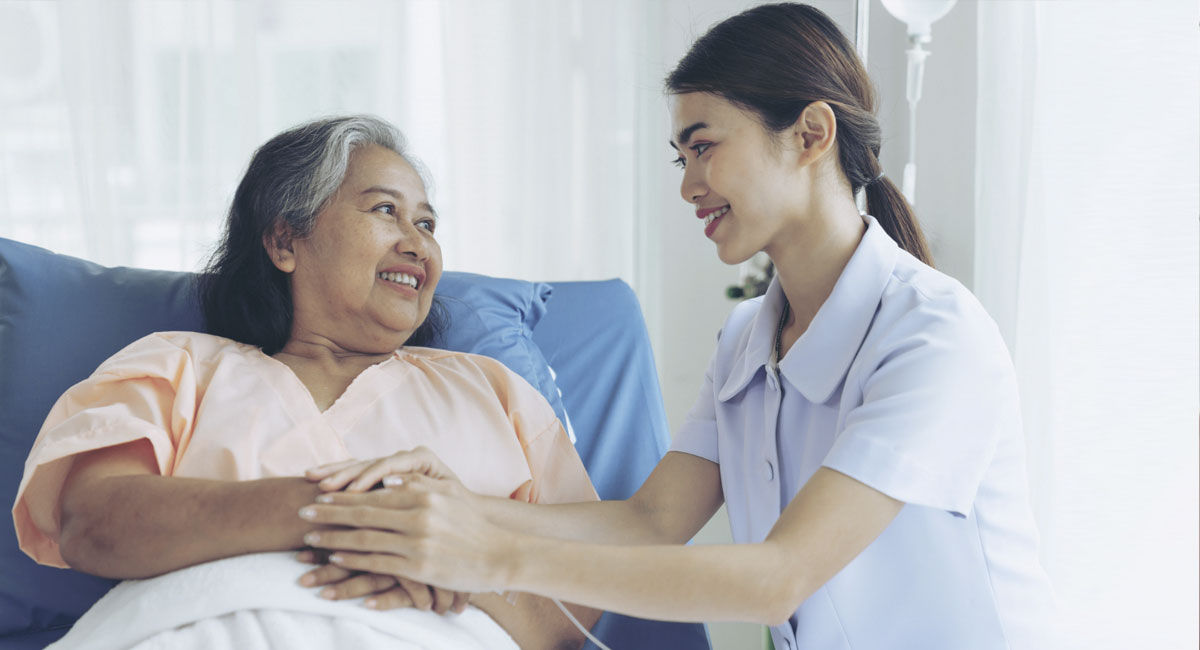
316	156
290	179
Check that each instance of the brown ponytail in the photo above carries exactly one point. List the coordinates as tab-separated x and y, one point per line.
774	60
887	204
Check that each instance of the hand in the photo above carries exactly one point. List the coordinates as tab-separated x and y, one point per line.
363	475
384	591
430	530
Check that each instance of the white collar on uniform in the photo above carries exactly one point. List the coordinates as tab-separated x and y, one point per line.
817	363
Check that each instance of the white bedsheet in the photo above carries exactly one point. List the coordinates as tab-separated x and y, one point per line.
253	601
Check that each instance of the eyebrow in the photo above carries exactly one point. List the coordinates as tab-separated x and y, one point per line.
686	133
399	196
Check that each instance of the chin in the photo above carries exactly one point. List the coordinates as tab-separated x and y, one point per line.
732	256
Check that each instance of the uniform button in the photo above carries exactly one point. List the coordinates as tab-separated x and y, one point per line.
769	472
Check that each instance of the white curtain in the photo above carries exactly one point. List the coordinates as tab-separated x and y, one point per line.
126	124
1087	238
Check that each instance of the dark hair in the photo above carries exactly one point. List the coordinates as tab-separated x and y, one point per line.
776	59
243	295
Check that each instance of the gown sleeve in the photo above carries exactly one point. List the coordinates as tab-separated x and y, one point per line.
147	391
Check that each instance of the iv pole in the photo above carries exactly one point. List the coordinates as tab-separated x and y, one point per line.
919	15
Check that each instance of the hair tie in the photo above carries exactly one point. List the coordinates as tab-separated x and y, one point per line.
876	179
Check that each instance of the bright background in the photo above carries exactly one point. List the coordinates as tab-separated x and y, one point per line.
1058	179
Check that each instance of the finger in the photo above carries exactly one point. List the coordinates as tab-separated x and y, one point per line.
387	563
417	461
321	471
430	465
341	477
395	498
399	517
461	600
310	556
420	593
443	600
324	575
372	475
360	540
363	584
393	598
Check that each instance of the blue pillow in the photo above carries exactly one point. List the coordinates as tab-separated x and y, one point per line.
496	317
60	317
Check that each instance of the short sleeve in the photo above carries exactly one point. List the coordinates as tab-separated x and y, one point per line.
698	434
940	392
147	391
557	474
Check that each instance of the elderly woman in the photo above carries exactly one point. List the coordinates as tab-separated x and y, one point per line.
185	448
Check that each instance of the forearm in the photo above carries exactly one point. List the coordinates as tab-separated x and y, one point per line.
679	583
144	525
681	494
829	522
599	522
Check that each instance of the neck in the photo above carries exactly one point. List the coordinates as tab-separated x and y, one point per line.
327	354
811	258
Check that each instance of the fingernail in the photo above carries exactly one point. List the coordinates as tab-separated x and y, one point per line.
372	603
337	558
312	538
308	512
393	481
328	592
307	581
325	498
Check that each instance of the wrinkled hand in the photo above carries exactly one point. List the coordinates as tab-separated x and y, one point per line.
363	475
383	591
426	529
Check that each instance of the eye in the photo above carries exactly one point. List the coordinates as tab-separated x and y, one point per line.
386	208
679	162
428	224
700	148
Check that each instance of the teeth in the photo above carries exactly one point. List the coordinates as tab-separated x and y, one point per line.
713	216
399	278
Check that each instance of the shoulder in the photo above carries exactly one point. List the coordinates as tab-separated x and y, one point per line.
475	374
162	351
736	331
463	366
925	311
436	357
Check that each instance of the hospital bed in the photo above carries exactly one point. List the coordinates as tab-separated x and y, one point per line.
582	344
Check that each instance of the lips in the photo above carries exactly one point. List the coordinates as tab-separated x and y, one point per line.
703	213
711	217
407	276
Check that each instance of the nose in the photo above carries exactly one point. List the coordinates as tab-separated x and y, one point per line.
692	188
412	242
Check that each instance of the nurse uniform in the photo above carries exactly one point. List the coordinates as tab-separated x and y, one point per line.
902	382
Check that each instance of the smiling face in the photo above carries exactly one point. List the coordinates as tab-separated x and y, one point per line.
363	279
746	187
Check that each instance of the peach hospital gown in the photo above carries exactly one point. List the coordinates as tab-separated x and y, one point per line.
216	409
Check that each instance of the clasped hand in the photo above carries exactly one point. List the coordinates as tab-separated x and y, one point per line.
421	528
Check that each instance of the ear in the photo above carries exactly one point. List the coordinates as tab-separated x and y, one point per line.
815	132
277	240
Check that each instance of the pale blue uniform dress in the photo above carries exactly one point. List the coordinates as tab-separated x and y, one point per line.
901	382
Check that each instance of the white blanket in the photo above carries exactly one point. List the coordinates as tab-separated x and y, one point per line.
254	601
